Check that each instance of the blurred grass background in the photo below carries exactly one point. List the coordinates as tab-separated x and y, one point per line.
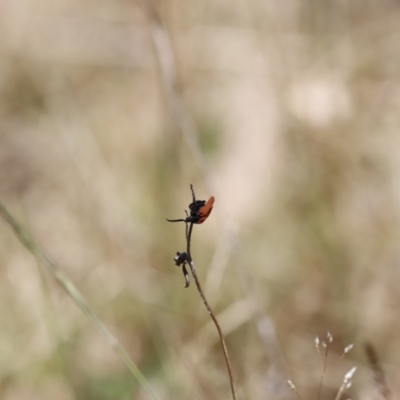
296	110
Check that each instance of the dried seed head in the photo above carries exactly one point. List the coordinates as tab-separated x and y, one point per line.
349	375
180	258
348	348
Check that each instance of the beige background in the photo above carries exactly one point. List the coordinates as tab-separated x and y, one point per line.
294	107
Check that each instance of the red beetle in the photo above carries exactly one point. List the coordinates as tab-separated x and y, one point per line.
199	211
205	210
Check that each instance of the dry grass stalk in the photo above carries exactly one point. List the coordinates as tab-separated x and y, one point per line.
26	239
379	374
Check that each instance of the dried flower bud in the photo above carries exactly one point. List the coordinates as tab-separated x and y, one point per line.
348	348
291	385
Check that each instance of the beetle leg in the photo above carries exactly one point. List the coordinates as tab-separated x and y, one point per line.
175	220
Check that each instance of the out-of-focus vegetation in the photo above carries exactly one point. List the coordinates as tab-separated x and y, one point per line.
296	106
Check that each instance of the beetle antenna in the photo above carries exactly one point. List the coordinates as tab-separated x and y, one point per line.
175	220
193	195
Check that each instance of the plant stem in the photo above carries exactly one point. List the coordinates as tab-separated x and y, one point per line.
210	311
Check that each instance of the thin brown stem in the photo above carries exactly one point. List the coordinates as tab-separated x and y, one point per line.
329	339
322	376
210	311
